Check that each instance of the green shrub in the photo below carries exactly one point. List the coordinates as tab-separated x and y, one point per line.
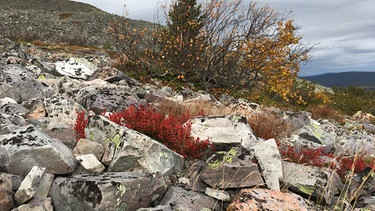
349	100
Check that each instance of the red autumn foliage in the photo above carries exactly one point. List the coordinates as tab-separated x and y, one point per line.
351	163
313	157
173	132
80	125
304	155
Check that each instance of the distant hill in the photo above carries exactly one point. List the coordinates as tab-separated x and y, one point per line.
360	79
57	21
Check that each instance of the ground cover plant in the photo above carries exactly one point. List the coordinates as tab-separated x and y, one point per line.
80	124
168	122
314	157
172	131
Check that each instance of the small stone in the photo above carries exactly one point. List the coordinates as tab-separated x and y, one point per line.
217	194
29	185
85	147
6	193
91	163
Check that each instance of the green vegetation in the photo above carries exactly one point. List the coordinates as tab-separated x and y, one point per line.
218	47
349	100
249	56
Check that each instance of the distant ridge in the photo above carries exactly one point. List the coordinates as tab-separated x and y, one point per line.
59	21
49	5
364	80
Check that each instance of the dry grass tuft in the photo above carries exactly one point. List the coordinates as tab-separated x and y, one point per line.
267	125
325	112
200	108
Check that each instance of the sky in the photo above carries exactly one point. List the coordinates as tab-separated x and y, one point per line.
342	31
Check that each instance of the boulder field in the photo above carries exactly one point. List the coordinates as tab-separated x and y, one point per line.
44	167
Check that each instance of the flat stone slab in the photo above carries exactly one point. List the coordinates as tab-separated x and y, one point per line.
269	159
223	130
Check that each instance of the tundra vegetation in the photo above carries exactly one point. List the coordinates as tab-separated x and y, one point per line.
250	51
219	46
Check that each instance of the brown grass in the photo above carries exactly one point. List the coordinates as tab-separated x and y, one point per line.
267	125
325	112
199	108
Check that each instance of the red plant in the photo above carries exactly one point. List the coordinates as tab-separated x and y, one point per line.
313	157
80	125
173	132
350	163
304	155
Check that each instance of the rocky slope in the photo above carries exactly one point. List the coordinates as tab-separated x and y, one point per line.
57	21
42	167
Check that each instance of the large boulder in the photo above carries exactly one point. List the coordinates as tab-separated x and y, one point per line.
317	183
355	143
76	68
28	146
20	84
133	151
99	95
315	132
108	191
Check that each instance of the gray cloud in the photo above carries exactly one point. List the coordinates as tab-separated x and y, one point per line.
343	29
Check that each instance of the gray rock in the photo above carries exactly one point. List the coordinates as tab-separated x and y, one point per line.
29	185
217	194
231	170
61	112
99	95
196	182
223	131
13	108
244	107
16	181
363	117
28	147
296	120
369	127
318	183
76	68
366	202
4	160
7	100
6	193
44	204
183	200
157	208
316	134
354	143
20	84
109	153
108	191
44	186
269	159
84	147
134	151
91	163
361	184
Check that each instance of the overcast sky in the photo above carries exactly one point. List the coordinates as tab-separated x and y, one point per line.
343	29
